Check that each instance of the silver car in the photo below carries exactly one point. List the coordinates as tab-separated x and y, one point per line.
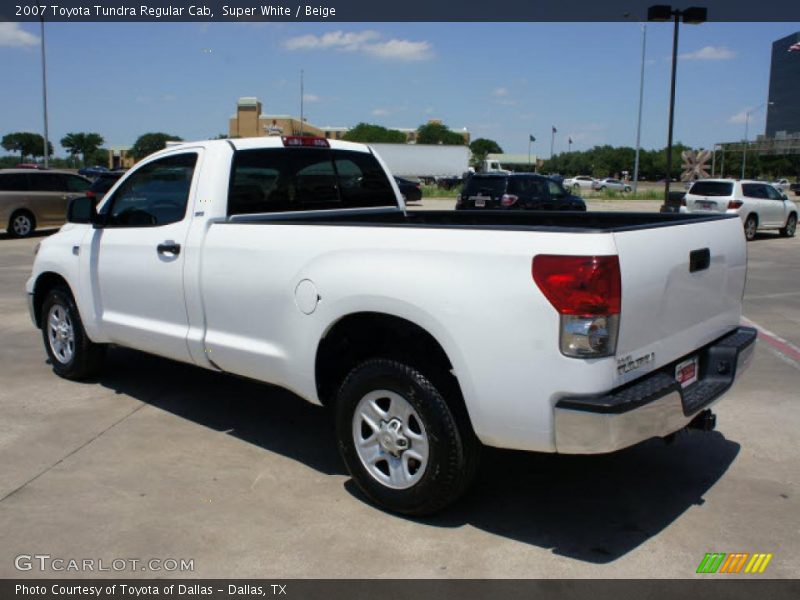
31	199
611	184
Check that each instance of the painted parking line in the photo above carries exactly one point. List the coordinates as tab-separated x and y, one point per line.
783	349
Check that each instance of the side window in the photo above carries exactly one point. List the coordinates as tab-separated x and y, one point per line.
156	194
46	182
753	190
556	191
772	193
77	184
529	187
14	182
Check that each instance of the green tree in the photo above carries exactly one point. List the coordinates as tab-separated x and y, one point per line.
368	133
148	143
438	133
26	143
82	143
482	147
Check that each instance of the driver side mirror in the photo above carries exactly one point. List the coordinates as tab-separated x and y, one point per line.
784	196
82	210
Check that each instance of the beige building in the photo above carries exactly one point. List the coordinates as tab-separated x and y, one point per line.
250	122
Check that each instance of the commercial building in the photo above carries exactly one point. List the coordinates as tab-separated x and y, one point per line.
249	121
783	110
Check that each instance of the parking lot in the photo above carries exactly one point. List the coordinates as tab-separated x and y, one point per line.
160	460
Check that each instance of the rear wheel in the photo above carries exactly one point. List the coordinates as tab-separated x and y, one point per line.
750	227
72	354
21	224
791	226
403	445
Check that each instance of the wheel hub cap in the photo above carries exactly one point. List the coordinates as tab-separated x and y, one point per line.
390	439
60	334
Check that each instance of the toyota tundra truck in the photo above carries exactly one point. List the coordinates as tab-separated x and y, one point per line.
429	334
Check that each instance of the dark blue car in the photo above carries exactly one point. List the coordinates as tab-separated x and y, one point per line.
516	191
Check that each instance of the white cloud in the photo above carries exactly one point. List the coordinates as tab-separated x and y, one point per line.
500	92
11	34
366	42
334	39
311	98
710	53
381	112
400	50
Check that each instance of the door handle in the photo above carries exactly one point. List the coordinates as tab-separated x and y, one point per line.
169	248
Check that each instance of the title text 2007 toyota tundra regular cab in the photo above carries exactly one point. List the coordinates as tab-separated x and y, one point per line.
293	261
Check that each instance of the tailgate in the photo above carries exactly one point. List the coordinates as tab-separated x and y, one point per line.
711	204
682	288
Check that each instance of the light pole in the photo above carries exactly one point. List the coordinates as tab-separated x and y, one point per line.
694	15
639	123
44	91
552	141
531	139
746	124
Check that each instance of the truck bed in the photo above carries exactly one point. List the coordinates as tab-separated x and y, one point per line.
552	221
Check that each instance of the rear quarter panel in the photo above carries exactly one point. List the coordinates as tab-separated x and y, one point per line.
471	289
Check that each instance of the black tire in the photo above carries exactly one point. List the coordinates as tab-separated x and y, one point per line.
750	228
82	358
21	224
791	226
452	448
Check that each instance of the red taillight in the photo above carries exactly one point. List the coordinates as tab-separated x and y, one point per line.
91	194
579	285
305	140
735	204
683	200
508	200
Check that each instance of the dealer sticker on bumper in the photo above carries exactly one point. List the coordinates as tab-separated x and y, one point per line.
686	372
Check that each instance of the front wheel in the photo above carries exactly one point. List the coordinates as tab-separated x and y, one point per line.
750	226
72	354
402	444
791	226
627	188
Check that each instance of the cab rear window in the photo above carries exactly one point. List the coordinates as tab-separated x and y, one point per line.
301	179
711	188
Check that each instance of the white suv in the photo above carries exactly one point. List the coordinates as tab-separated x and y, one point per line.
759	204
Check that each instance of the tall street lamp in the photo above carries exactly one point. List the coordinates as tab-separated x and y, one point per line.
639	123
746	123
693	15
44	91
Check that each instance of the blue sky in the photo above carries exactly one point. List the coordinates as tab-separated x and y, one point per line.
500	80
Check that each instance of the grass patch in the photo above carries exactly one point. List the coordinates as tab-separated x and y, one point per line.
432	191
651	194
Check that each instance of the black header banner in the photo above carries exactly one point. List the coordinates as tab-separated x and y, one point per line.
371	10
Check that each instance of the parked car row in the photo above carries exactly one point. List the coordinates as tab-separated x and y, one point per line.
585	182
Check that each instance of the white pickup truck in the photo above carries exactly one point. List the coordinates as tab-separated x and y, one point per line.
430	333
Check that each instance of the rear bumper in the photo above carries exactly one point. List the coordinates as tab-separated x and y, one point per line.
653	406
